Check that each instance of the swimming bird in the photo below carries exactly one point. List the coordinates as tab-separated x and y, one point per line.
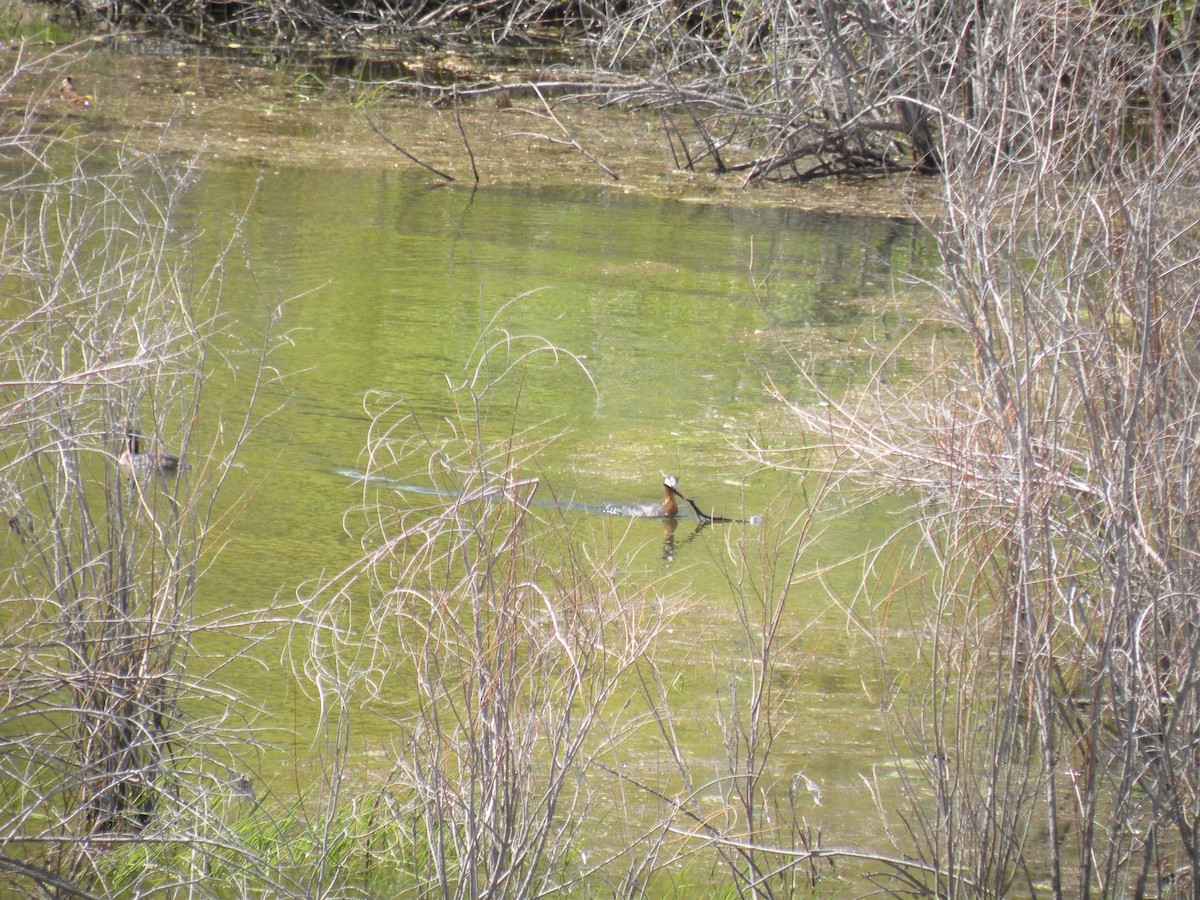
667	509
68	92
670	507
136	462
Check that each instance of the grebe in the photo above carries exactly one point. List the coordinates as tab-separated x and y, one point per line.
667	509
670	507
66	89
134	461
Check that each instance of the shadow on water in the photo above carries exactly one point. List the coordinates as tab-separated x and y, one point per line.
409	58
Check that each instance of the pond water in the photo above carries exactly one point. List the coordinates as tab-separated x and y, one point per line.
679	314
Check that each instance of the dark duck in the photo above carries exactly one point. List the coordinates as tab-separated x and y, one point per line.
137	461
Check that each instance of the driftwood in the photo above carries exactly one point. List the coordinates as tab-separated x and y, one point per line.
375	128
570	139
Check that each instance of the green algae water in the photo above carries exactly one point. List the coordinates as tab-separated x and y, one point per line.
676	315
678	327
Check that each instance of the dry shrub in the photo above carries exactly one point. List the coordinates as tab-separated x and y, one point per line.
108	732
478	628
1049	737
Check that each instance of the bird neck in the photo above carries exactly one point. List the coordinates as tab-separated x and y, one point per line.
670	507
